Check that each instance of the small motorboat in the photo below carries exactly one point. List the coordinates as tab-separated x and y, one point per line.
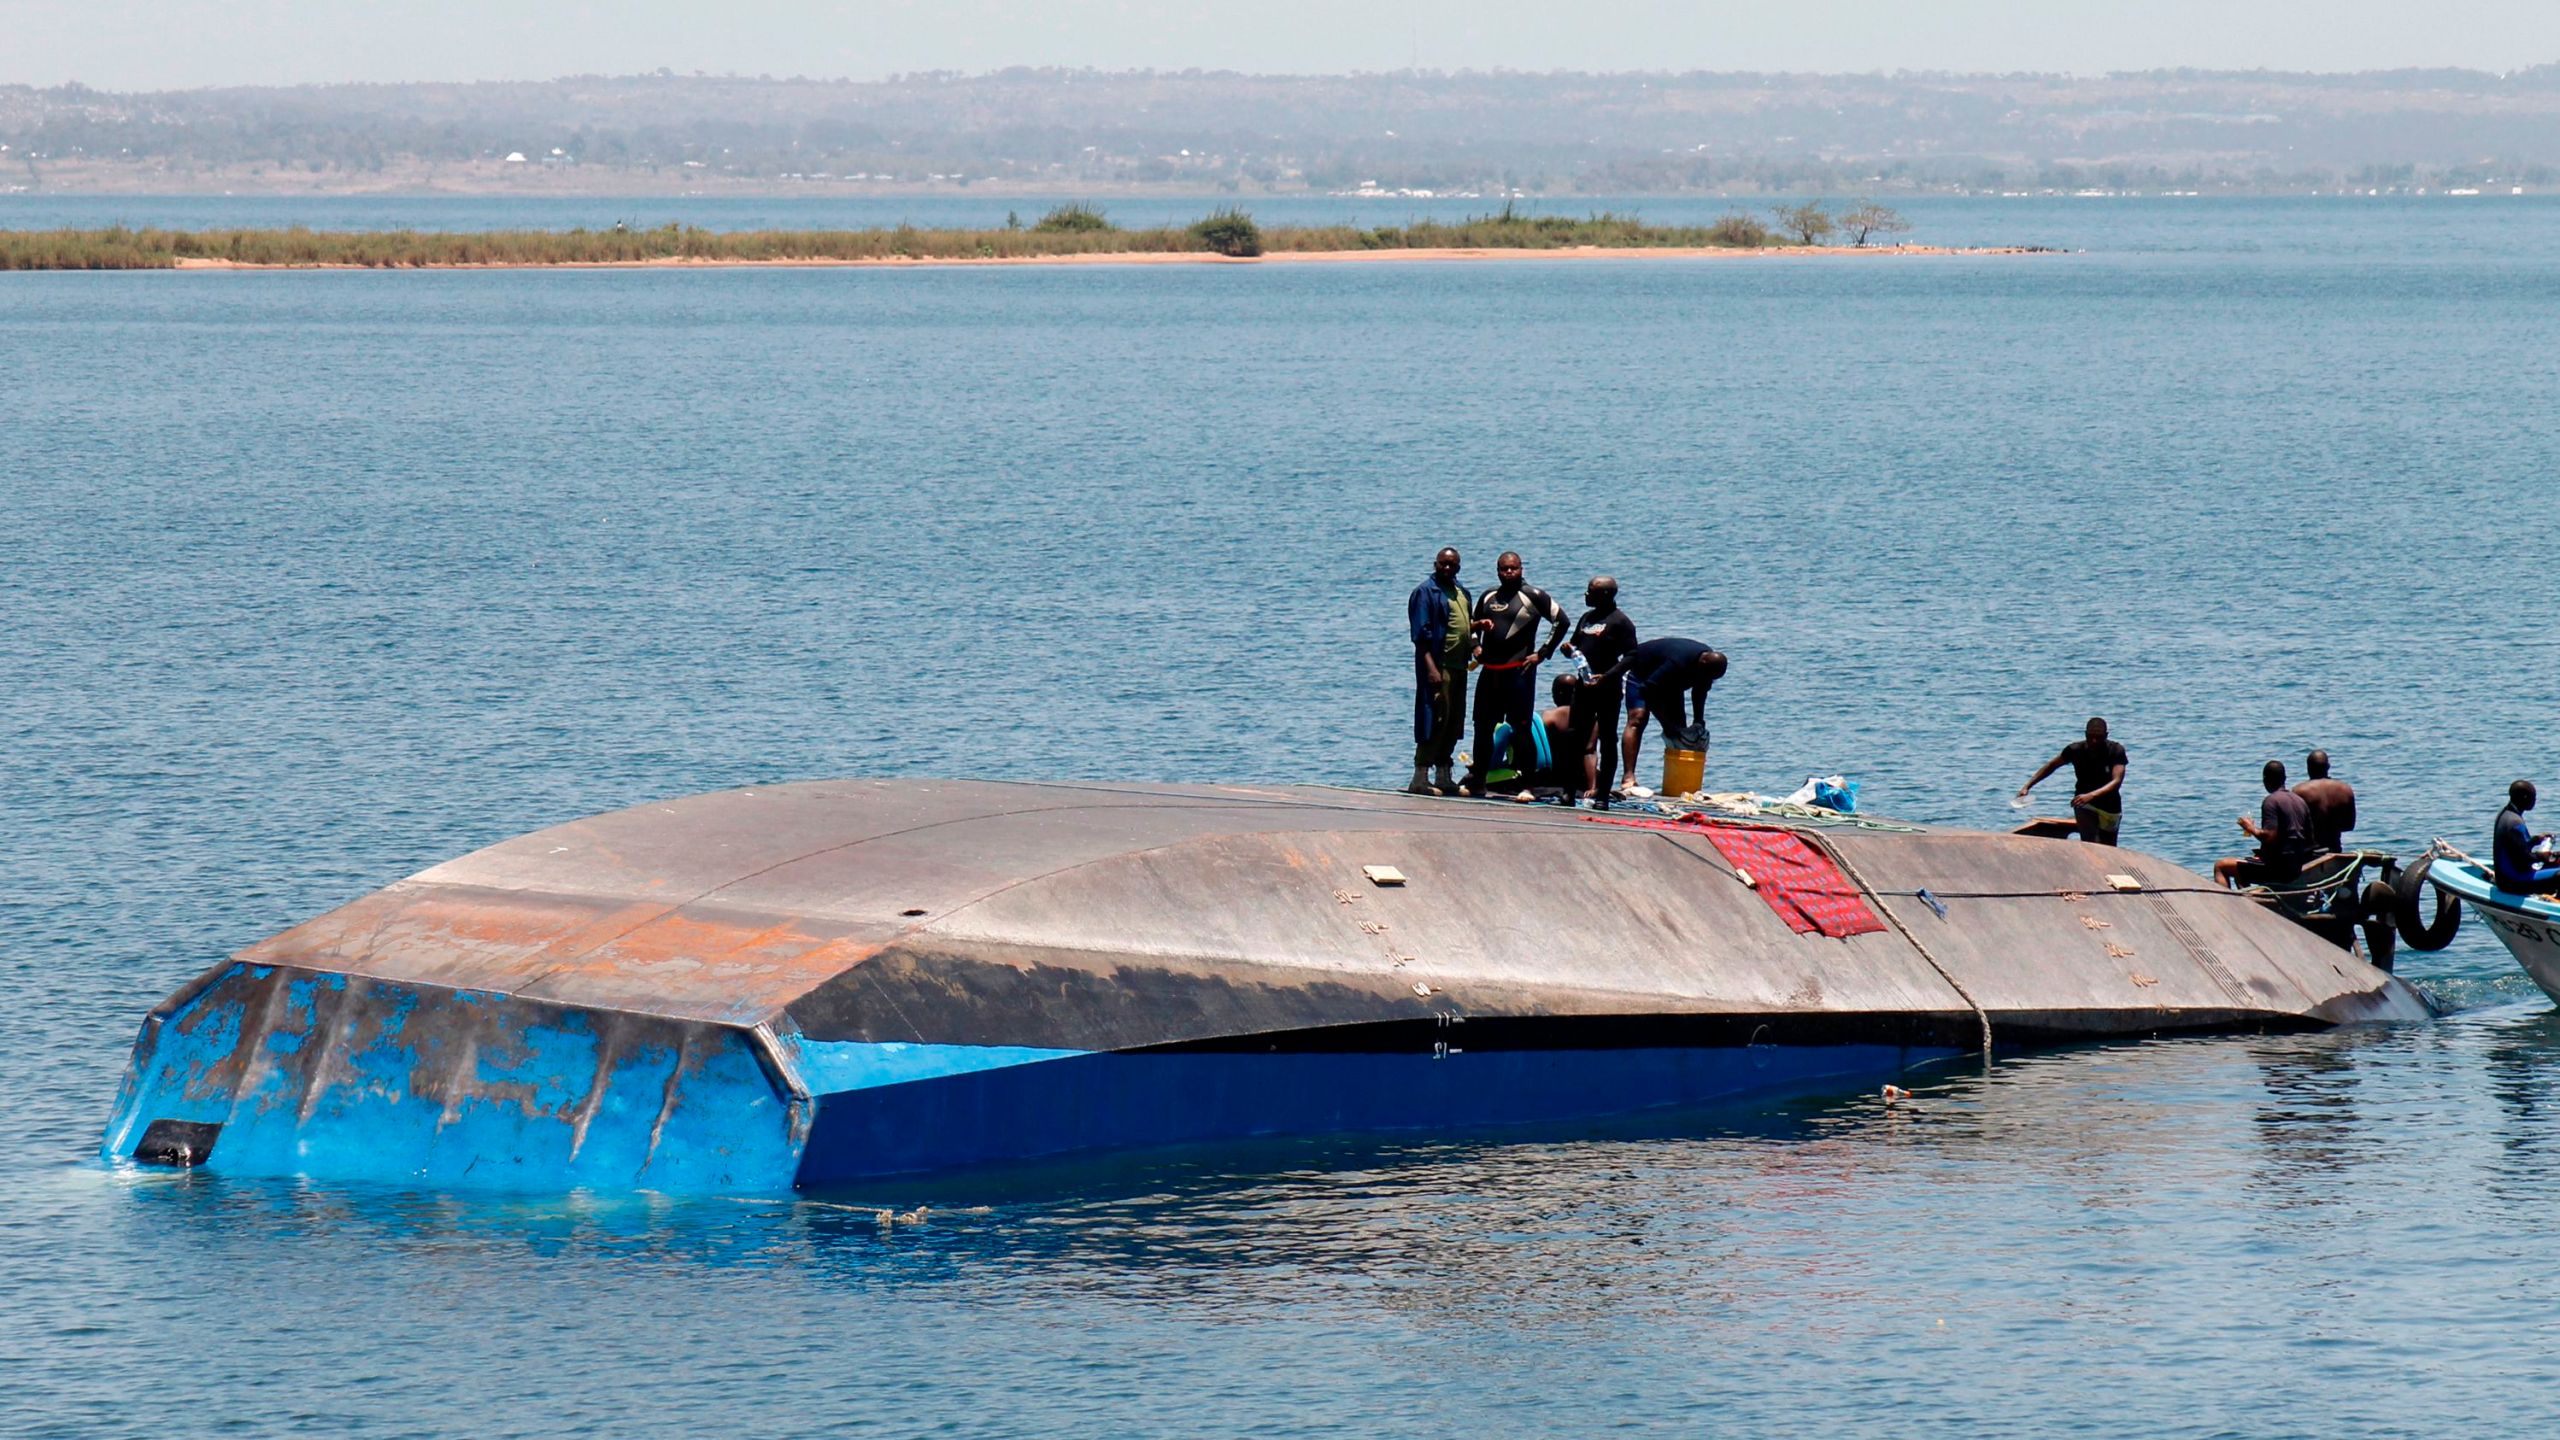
2333	899
2528	925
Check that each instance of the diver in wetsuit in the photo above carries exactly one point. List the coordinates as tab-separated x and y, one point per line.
1659	673
1507	659
2512	845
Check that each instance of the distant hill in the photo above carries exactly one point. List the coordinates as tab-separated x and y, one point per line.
1088	132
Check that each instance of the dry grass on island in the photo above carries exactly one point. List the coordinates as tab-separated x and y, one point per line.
1069	233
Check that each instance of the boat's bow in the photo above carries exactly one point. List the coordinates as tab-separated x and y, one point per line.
2528	925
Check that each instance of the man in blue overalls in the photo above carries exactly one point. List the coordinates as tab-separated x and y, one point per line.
1440	615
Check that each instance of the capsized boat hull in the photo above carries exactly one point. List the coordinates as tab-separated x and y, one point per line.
444	1088
825	983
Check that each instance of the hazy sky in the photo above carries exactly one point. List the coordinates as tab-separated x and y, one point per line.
136	44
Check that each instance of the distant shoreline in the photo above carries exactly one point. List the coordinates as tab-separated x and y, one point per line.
1145	257
1073	234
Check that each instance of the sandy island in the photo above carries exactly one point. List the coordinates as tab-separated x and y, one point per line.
1160	257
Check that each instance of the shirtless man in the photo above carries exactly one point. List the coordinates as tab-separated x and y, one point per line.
2332	802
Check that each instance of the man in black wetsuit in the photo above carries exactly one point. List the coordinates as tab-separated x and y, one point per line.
1659	673
2283	833
2097	777
1507	658
2511	848
1603	638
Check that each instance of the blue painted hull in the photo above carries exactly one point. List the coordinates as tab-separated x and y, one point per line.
285	1072
275	1071
1127	1101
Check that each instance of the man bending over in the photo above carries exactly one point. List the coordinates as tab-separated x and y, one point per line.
1659	674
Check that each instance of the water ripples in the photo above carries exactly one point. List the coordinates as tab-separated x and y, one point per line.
315	580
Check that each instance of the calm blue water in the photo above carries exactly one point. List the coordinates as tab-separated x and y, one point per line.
313	579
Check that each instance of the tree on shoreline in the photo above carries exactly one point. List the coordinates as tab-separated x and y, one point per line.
1869	218
1806	224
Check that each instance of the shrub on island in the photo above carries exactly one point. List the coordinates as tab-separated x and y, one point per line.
1740	231
1078	218
1229	232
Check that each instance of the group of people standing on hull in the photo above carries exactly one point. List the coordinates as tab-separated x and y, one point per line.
2294	826
1574	749
1495	633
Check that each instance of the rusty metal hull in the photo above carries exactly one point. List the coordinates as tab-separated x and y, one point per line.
826	982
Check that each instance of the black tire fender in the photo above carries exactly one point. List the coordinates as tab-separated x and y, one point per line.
2380	901
2415	933
2378	907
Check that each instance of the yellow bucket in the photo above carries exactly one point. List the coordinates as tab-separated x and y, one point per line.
1684	772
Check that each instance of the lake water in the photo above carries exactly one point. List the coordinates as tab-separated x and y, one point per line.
311	580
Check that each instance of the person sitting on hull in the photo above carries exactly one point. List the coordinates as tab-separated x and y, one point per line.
2517	868
1542	765
2332	802
1659	674
1440	615
1602	640
2097	779
1508	656
2283	833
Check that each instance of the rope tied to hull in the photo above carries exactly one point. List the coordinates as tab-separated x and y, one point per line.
1981	1016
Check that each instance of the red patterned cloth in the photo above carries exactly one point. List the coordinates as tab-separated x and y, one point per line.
1797	880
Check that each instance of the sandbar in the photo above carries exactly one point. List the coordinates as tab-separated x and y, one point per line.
1161	257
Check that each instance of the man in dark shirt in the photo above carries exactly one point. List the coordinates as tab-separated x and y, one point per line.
1659	673
1508	656
1439	616
2097	780
2511	846
2283	833
2332	802
1602	639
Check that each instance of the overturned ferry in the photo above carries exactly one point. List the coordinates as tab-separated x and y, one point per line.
826	983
